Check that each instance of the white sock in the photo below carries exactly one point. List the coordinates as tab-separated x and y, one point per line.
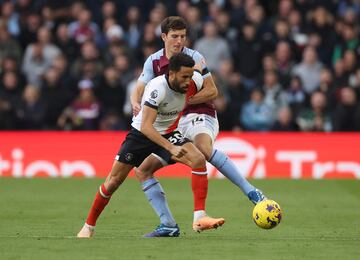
199	214
89	226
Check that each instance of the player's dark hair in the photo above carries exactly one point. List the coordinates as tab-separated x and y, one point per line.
173	23
180	60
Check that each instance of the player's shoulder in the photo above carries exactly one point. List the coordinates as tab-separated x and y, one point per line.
157	55
197	56
158	82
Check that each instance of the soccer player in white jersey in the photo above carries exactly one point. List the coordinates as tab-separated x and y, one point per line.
154	142
199	121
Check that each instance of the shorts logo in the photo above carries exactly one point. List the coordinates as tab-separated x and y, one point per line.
129	157
154	94
197	120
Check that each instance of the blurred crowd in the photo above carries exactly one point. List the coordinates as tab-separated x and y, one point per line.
280	65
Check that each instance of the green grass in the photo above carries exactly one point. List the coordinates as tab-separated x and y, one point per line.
40	217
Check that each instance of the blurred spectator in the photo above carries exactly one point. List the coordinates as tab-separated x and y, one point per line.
256	115
10	17
349	41
195	25
133	27
284	61
296	96
347	112
85	111
315	118
29	27
274	96
340	77
31	109
35	63
65	43
212	46
111	93
83	29
328	88
89	64
309	70
8	46
10	93
57	95
284	121
123	68
248	58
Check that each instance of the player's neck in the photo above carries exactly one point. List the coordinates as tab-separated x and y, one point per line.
168	54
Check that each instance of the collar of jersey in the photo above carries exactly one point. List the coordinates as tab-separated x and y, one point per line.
164	61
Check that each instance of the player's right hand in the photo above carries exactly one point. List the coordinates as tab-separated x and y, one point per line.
136	107
178	151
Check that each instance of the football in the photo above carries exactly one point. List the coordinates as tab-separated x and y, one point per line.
267	214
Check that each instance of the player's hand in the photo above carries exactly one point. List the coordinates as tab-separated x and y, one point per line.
136	107
178	151
198	67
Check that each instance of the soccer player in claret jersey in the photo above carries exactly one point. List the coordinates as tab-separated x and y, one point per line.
199	121
154	142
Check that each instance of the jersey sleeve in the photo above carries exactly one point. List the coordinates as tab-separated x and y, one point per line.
148	71
198	58
198	80
153	95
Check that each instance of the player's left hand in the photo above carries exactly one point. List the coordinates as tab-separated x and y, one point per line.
178	151
136	107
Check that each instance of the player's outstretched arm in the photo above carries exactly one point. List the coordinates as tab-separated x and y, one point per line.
147	128
207	93
136	95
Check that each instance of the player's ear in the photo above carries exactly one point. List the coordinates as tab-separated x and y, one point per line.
163	36
171	75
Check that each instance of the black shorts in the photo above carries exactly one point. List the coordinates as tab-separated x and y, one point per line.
136	147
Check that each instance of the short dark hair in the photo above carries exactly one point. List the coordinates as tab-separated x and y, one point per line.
180	60
173	23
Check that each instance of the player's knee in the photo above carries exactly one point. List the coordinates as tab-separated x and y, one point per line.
142	175
197	160
116	179
205	149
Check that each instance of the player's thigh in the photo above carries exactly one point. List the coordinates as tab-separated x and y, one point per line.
135	148
151	164
193	124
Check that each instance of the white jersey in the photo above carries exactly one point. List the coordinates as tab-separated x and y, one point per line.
169	103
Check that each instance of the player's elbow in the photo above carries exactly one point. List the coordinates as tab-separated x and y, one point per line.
215	93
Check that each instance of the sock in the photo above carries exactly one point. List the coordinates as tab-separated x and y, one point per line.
199	214
156	197
199	184
102	198
223	163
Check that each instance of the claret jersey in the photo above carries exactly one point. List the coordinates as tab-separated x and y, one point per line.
169	103
157	64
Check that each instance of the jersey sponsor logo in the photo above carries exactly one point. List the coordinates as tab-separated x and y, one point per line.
154	94
171	113
129	157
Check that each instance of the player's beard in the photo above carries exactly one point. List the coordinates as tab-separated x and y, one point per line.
176	86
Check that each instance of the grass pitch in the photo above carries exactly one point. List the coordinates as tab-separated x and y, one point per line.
39	219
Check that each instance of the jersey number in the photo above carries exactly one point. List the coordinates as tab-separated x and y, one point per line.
176	138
